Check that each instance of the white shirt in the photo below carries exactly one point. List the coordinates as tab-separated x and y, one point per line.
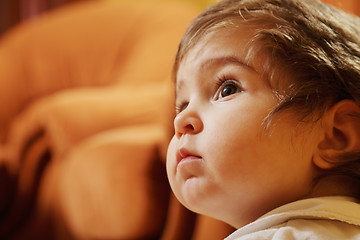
325	218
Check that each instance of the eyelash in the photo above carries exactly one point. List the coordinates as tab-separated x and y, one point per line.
180	107
221	83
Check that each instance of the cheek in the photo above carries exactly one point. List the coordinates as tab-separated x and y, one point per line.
233	135
236	144
171	157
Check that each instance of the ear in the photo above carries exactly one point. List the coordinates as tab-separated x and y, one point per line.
341	133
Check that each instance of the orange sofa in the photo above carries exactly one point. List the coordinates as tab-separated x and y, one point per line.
86	108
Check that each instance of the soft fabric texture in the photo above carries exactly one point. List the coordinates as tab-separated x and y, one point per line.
86	109
325	218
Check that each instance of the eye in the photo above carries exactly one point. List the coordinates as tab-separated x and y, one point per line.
227	88
180	107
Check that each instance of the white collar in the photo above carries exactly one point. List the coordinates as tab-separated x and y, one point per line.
340	208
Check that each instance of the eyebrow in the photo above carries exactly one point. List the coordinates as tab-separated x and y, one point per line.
225	60
218	61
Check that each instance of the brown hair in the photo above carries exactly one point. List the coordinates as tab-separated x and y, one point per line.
310	53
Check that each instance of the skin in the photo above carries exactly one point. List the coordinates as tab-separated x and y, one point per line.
221	161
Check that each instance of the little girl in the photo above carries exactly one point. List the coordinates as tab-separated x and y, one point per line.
267	131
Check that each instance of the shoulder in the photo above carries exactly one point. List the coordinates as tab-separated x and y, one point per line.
313	219
310	229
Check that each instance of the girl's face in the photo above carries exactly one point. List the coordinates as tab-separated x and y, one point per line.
221	161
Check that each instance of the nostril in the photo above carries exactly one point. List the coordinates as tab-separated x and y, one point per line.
190	127
187	122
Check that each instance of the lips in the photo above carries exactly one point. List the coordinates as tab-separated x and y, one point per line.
185	155
189	164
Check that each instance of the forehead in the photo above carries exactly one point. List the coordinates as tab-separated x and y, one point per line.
227	46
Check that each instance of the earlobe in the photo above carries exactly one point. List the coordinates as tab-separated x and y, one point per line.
341	134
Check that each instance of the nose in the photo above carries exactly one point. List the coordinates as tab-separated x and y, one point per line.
187	122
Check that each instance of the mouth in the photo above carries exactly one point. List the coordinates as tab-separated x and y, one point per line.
183	155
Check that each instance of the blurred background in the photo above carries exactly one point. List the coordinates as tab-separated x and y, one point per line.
15	11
